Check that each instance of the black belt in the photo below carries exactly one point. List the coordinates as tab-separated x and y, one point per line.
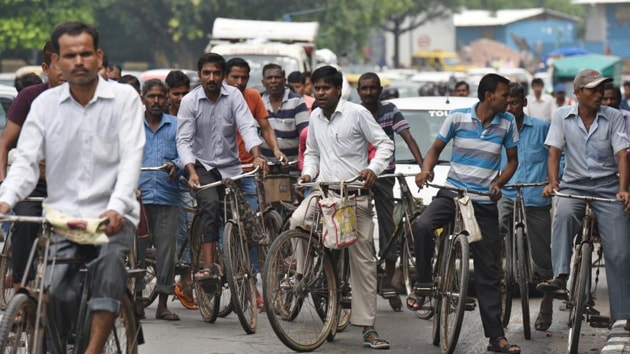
354	192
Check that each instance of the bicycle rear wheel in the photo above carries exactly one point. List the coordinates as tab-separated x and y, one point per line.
6	271
208	303
289	296
124	336
17	328
507	283
240	277
522	273
453	297
579	298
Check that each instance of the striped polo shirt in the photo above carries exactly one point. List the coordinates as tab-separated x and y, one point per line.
476	157
391	120
287	123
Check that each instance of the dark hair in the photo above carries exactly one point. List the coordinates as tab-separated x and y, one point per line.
237	62
73	28
369	76
296	76
329	75
489	83
617	91
460	83
272	66
131	80
26	80
48	51
538	81
211	58
105	61
114	66
626	83
151	83
176	78
517	90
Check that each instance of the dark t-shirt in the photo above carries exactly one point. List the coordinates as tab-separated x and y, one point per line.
22	105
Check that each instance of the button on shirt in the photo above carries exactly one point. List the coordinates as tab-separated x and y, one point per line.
589	154
93	153
337	148
532	162
206	130
160	148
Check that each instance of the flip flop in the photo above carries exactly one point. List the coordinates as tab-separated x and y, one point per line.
167	316
415	302
543	321
496	347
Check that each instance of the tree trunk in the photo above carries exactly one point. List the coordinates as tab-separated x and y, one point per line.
396	33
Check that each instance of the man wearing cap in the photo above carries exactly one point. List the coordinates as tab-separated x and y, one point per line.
596	165
560	97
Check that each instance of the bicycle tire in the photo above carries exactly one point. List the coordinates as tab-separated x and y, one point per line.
240	277
344	314
507	283
522	273
435	333
581	295
125	333
407	260
6	271
306	331
453	298
208	303
19	337
149	294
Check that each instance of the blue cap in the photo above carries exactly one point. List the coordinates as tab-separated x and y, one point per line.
559	88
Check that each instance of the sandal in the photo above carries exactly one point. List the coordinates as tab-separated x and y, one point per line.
209	278
543	321
415	302
167	316
183	292
376	342
496	347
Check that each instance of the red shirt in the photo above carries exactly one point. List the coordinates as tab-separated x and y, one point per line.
22	104
257	107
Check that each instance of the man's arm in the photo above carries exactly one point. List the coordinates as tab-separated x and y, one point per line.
186	130
430	160
623	167
412	145
505	175
8	139
270	137
553	166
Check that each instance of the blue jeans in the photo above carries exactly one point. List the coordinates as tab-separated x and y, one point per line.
614	230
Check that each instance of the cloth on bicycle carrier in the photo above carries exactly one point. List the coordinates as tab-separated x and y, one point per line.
249	222
468	217
82	231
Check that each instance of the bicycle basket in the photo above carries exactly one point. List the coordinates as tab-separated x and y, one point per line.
339	221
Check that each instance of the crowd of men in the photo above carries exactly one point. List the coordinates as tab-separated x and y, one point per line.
83	137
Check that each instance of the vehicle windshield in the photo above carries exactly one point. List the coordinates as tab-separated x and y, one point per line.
424	126
257	62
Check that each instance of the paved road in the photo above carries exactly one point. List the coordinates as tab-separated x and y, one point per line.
404	330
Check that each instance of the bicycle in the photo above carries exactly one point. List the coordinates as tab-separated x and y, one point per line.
450	277
6	263
518	262
26	326
405	210
239	271
580	300
305	285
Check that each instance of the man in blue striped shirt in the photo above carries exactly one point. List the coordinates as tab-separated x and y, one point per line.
288	113
479	134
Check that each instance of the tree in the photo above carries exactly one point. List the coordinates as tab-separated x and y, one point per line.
406	15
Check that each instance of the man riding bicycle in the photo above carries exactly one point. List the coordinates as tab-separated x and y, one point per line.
90	133
479	135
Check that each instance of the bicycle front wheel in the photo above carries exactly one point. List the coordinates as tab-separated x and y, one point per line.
6	271
124	336
454	293
273	225
17	328
407	258
522	273
579	298
208	303
297	271
240	277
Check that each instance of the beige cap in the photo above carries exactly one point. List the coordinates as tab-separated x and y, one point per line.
589	79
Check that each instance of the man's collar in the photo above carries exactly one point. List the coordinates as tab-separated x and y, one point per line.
103	90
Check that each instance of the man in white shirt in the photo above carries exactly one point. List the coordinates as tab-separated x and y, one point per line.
90	132
336	150
539	104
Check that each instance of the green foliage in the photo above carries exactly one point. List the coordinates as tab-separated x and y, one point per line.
26	24
564	6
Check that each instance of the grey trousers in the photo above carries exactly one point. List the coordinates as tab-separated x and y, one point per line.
361	254
107	275
614	231
384	203
162	221
538	234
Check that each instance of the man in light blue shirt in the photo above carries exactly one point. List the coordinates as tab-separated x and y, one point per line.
596	165
532	168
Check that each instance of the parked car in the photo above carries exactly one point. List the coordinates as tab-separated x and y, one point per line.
7	95
425	115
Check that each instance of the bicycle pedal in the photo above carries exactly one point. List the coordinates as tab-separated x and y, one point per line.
389	294
597	321
471	305
346	302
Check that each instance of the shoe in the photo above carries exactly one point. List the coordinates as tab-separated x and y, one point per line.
185	296
139	309
557	287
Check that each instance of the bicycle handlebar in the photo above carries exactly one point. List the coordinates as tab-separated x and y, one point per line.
164	167
458	190
583	197
19	218
272	163
521	185
394	175
235	178
348	183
